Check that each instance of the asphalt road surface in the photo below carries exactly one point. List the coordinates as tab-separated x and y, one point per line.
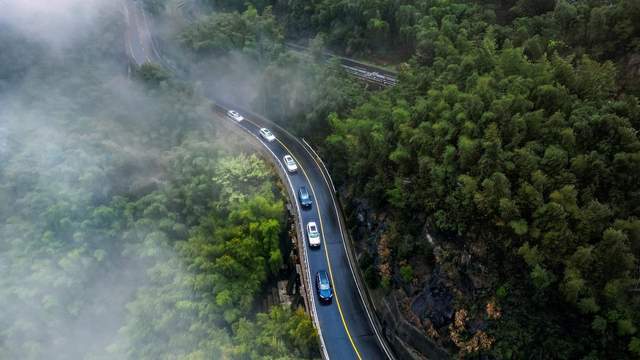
345	327
139	43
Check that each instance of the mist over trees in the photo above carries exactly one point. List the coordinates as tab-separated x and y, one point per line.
130	226
297	90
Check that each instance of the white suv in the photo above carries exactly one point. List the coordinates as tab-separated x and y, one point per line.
235	115
290	164
267	135
313	235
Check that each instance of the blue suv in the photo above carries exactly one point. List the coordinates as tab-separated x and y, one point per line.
305	199
323	287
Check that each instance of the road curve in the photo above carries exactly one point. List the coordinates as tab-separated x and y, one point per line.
347	327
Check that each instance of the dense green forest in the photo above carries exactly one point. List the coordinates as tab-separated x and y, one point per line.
516	134
513	134
514	130
130	227
512	137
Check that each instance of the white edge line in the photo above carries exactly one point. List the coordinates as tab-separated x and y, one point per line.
321	162
140	33
153	45
344	243
126	15
310	294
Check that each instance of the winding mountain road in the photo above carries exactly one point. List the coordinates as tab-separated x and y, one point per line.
348	326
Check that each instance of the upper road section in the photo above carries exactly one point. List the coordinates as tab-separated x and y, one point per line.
139	42
366	72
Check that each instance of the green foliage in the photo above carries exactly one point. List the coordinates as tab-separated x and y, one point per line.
218	34
541	278
155	7
406	272
235	5
502	292
257	35
280	334
300	94
519	151
231	250
152	74
634	346
19	54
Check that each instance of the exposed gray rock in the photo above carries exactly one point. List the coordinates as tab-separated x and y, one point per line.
435	302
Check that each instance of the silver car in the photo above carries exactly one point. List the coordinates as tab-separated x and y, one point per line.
235	115
313	235
290	164
267	135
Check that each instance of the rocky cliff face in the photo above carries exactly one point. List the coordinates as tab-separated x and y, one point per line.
428	311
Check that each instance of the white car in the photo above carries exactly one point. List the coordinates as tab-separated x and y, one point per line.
267	135
290	164
313	235
235	115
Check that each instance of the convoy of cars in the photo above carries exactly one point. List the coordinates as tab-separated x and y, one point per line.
323	284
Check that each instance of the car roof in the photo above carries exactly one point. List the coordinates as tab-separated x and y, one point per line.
303	189
323	276
288	157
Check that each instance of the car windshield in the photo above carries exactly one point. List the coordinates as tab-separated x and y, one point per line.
289	160
266	132
303	193
324	281
313	229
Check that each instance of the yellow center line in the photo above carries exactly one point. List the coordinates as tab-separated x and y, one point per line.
326	252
